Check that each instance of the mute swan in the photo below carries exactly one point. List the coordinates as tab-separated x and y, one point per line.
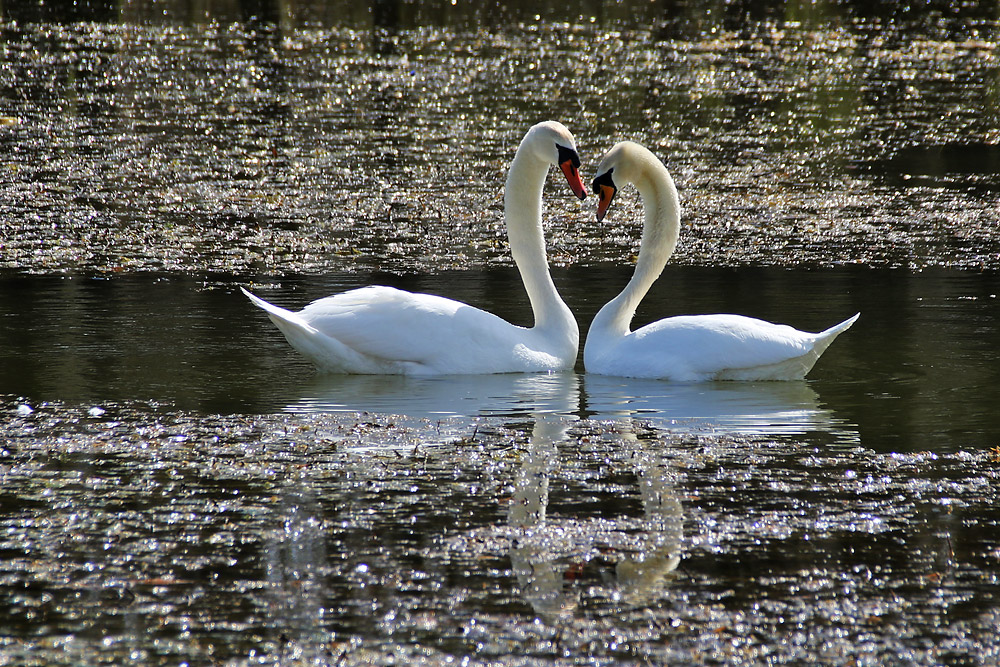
689	348
382	330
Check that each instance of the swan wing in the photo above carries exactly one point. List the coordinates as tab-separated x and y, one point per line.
421	329
719	347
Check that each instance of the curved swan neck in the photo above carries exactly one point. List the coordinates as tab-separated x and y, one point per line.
523	214
660	230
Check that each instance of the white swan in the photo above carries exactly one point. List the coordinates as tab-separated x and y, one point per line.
690	348
382	330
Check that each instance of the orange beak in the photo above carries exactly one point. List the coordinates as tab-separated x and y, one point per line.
573	177
605	194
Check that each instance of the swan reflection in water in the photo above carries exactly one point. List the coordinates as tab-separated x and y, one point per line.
632	554
439	396
545	550
454	403
758	408
731	408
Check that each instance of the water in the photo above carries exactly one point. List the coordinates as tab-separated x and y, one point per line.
825	140
177	485
915	373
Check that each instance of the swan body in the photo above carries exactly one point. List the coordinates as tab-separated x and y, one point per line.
383	330
687	348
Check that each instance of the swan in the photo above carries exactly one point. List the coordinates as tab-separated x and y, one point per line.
383	330
687	348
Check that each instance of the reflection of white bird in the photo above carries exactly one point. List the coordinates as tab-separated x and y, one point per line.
689	348
642	575
385	330
646	551
539	571
763	408
465	397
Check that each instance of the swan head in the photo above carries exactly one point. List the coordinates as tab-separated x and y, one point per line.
605	188
621	165
552	143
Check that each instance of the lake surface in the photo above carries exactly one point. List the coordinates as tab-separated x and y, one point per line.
917	372
178	486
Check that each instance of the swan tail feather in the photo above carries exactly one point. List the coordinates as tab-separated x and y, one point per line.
823	341
794	368
824	338
838	329
285	316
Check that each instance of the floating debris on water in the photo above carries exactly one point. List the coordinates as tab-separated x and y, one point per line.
206	149
547	535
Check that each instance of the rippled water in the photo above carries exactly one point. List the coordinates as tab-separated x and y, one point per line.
825	140
178	486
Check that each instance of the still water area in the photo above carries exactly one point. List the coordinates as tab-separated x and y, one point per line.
916	373
178	486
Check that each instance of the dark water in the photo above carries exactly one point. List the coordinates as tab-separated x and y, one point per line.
178	487
917	372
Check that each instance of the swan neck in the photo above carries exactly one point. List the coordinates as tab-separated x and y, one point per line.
660	229
523	214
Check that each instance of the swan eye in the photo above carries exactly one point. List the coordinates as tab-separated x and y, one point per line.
606	180
568	154
605	188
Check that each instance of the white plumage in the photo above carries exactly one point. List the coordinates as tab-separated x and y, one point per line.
688	348
386	330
